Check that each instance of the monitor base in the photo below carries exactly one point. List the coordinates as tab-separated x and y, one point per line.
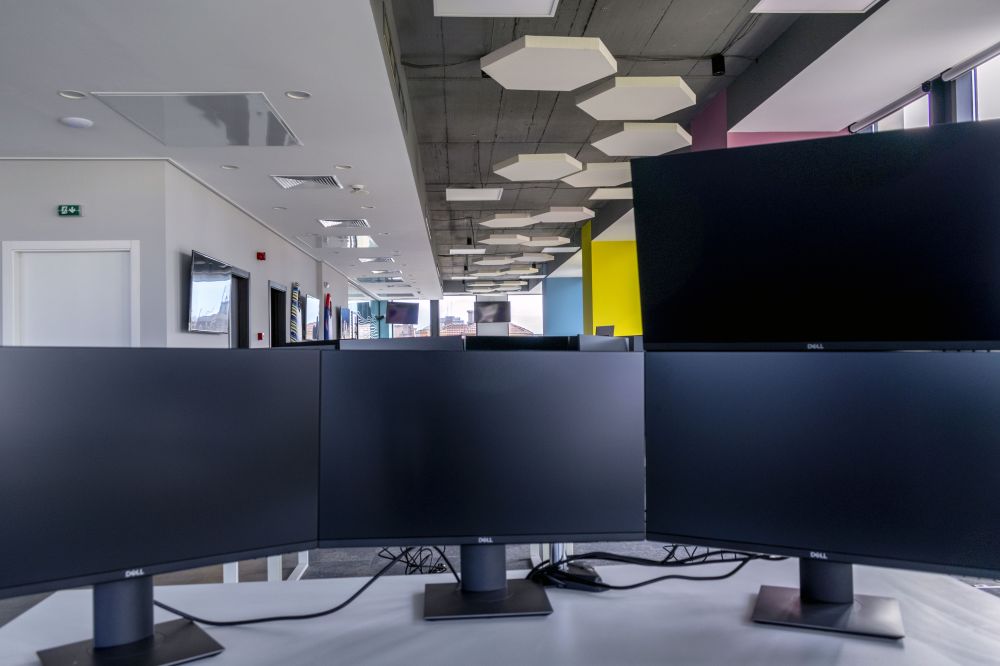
174	642
447	601
867	616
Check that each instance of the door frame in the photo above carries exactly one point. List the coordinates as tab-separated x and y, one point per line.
10	254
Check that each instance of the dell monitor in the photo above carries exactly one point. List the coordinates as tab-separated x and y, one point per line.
119	464
477	458
872	241
491	312
886	459
397	312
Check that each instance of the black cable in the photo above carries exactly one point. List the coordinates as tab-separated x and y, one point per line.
606	586
280	618
450	566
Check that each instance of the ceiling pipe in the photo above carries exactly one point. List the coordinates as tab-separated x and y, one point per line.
887	109
971	63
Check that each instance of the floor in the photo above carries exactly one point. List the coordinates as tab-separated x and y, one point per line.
334	563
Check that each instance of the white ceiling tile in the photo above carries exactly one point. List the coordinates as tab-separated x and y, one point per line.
544	166
509	221
607	193
549	63
644	139
505	239
545	241
565	215
601	174
637	98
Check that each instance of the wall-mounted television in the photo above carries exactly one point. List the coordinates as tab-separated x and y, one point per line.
491	312
402	313
211	295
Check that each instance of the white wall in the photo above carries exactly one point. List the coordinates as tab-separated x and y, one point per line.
121	200
197	219
170	214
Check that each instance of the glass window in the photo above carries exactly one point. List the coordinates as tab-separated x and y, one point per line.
988	90
455	315
915	114
421	329
525	314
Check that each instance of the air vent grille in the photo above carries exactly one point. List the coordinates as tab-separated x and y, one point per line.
308	182
381	279
377	260
399	295
344	223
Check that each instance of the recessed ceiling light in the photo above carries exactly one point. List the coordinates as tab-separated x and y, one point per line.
77	123
278	208
229	167
813	6
467	250
297	94
72	94
496	8
343	167
368	207
383	233
473	193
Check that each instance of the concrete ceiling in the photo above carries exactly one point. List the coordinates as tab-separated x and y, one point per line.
466	123
328	48
901	45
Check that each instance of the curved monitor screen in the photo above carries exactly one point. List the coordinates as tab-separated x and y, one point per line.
874	241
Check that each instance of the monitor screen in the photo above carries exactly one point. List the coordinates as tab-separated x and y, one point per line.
886	459
491	312
474	456
402	313
211	287
152	459
313	319
872	241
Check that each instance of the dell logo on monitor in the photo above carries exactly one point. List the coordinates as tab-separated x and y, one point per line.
815	346
816	555
485	539
134	573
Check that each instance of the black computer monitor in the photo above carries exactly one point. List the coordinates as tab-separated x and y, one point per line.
872	241
123	463
472	450
606	331
398	312
888	459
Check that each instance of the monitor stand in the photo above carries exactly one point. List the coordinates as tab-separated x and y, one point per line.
484	590
825	600
124	632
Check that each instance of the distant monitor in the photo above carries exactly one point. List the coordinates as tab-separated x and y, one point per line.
397	312
119	464
210	296
872	241
887	459
569	468
491	312
606	331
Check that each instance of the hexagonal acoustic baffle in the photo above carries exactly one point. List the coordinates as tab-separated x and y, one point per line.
545	166
549	63
505	239
603	193
546	241
520	270
601	174
494	261
487	274
509	221
565	215
534	258
644	139
637	98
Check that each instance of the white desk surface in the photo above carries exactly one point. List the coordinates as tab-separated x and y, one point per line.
675	622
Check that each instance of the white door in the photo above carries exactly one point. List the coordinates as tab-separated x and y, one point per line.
80	293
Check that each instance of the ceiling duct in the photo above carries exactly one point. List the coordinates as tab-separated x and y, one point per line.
308	182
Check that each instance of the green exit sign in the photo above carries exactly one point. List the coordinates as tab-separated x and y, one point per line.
69	210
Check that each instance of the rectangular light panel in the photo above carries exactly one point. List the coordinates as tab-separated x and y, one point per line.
467	250
565	249
473	193
813	6
496	8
